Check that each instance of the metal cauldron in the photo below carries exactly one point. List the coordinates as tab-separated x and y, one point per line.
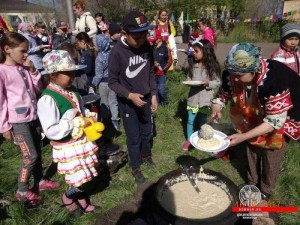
163	217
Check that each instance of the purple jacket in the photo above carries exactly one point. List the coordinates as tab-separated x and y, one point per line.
18	95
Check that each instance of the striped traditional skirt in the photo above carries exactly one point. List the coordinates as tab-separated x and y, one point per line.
76	159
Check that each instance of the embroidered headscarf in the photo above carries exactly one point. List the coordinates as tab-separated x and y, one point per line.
243	58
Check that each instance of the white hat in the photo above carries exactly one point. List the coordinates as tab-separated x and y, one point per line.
59	60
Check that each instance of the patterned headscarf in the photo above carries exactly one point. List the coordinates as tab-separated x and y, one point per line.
243	58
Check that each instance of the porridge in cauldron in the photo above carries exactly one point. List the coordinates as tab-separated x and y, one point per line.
180	199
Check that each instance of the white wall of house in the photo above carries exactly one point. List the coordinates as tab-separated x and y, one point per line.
291	6
15	18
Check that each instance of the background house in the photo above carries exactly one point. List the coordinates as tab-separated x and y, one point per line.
292	6
22	11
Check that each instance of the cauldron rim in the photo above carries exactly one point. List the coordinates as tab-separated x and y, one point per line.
226	217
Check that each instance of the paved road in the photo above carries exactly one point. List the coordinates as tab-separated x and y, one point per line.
222	50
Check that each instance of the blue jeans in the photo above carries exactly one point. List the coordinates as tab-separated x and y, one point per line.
162	89
138	128
108	102
194	123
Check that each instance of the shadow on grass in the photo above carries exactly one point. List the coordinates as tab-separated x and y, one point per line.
238	160
4	205
182	114
99	183
133	213
187	161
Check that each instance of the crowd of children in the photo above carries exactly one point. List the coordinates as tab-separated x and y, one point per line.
130	75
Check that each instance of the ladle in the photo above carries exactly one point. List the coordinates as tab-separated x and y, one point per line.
192	181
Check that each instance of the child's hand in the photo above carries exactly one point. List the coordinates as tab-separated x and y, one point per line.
87	123
216	114
136	99
46	50
44	46
206	83
154	104
157	66
92	115
28	63
8	135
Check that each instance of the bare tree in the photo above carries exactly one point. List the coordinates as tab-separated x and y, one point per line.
262	8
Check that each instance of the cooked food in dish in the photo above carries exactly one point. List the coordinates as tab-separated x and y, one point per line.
206	132
206	138
209	144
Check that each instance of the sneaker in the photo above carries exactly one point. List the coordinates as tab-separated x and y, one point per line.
186	145
91	90
149	162
116	125
48	185
109	148
30	199
138	176
42	136
265	196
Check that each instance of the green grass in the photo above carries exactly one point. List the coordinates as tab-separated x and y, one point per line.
170	123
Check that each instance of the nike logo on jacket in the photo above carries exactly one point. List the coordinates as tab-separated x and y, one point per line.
131	70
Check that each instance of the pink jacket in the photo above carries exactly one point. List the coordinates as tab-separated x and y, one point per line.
209	34
18	95
290	58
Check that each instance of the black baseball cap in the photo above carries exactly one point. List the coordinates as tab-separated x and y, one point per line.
135	22
114	28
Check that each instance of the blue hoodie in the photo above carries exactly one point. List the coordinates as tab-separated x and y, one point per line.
101	63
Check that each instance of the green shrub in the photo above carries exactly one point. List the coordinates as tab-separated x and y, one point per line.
248	32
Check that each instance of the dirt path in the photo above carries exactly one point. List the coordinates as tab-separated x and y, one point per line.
222	50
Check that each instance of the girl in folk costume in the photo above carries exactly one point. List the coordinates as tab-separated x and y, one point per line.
20	84
168	32
61	112
261	111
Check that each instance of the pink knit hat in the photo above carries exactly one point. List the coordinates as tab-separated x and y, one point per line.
24	27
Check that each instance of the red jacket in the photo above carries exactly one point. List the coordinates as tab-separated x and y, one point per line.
288	57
